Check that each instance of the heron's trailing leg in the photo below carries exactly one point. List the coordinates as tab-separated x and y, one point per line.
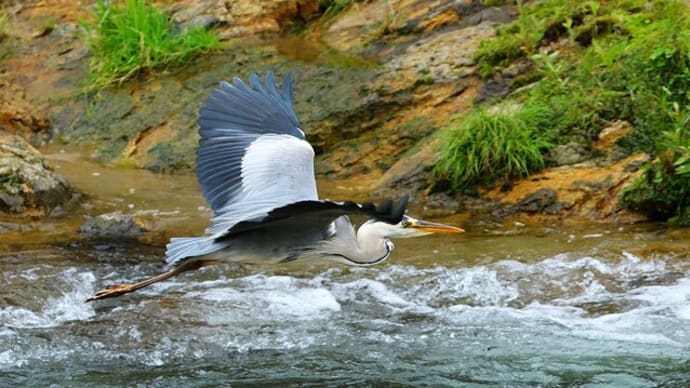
121	289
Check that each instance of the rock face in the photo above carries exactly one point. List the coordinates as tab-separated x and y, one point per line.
382	28
244	18
17	114
582	192
27	186
578	189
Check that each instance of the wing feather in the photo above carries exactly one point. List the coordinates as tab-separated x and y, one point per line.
252	156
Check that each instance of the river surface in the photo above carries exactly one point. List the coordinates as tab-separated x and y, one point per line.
502	305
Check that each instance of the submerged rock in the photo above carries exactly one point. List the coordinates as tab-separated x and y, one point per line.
115	225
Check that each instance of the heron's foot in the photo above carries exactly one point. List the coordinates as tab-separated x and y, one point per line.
112	291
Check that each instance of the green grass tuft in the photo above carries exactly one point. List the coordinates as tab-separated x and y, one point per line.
490	146
134	36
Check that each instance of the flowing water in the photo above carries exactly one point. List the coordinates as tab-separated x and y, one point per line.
502	305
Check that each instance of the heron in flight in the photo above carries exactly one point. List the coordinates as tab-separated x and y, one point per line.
256	170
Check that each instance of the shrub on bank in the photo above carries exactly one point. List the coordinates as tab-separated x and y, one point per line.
594	63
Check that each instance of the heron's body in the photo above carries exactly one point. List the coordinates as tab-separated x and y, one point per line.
256	170
303	242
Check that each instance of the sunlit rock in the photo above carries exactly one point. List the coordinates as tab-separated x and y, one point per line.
244	18
581	192
27	185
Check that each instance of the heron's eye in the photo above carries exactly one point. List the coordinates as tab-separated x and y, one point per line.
405	224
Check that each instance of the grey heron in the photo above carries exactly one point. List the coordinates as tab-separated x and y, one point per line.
256	171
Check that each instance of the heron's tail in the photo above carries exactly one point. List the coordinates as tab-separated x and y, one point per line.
180	248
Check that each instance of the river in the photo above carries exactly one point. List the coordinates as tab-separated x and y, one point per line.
502	305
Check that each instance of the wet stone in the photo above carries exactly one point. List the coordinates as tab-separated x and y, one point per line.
6	227
115	225
542	201
570	153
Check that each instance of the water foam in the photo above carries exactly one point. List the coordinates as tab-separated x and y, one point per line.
548	293
648	314
271	297
68	306
549	296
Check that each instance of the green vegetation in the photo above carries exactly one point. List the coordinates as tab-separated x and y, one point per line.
592	63
3	24
663	191
493	3
134	36
48	26
494	145
11	181
333	7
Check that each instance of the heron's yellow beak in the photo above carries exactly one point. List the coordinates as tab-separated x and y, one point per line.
433	227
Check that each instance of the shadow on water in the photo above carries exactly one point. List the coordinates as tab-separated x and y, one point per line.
504	305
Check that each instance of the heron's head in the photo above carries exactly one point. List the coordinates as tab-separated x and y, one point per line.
409	227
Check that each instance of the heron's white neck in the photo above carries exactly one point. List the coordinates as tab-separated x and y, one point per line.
372	239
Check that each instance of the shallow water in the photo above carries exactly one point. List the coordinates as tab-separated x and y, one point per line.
501	305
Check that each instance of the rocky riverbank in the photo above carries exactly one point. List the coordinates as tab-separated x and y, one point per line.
375	83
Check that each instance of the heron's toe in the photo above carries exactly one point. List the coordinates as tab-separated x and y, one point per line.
111	291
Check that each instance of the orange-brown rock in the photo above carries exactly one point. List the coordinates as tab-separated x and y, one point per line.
610	135
245	17
585	191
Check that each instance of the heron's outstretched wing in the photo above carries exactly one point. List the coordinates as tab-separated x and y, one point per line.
253	156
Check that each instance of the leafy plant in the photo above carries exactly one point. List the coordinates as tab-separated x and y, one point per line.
133	36
540	23
663	191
